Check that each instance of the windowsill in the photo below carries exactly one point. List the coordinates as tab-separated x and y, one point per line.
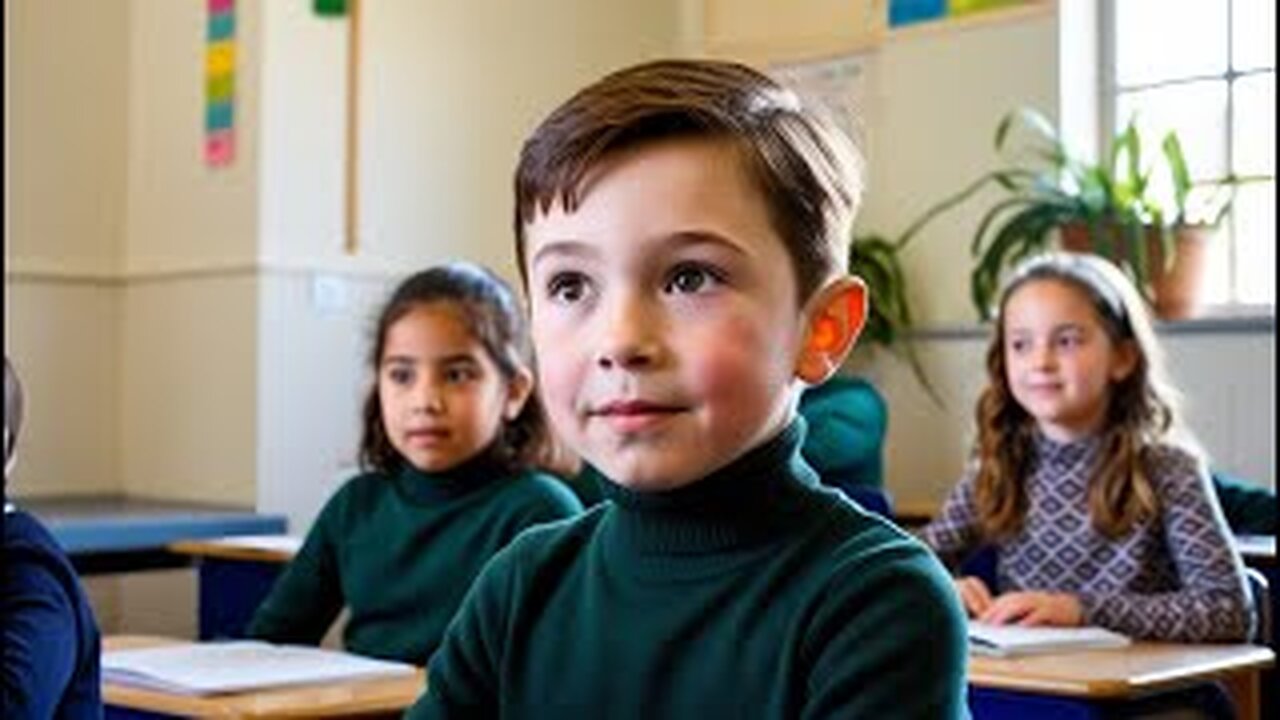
1224	319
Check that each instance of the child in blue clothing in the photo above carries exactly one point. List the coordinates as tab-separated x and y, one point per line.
452	432
1102	516
51	646
681	228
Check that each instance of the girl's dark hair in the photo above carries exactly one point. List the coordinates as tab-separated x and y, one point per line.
491	311
1141	411
809	172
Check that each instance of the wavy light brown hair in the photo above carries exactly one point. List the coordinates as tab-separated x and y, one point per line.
1141	410
491	311
810	174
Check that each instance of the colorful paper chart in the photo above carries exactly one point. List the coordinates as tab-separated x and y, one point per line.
910	12
220	84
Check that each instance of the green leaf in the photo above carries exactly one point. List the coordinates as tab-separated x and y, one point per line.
1181	177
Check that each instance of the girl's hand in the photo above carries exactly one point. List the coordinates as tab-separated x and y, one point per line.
974	594
1034	608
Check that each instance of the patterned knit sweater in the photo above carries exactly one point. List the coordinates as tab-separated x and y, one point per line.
1175	577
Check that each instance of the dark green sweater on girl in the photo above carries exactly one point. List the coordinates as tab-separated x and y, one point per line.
400	551
753	593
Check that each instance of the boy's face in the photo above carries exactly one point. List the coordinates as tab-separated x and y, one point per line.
664	315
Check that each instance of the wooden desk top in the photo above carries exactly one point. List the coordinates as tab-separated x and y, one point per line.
385	696
1116	673
252	548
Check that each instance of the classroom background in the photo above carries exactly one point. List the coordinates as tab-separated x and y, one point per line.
189	287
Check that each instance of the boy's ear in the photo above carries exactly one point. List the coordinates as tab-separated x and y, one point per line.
517	394
836	316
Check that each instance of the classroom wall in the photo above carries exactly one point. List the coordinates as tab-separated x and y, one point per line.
228	327
188	378
65	170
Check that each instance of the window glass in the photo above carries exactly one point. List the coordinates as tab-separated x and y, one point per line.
1255	236
1253	30
1164	39
1197	112
1254	124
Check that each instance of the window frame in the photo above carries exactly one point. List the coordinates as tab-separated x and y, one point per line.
1110	91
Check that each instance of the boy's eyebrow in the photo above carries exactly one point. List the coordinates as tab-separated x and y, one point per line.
562	248
685	238
704	237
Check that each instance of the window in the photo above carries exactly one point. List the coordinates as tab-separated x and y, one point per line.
1207	69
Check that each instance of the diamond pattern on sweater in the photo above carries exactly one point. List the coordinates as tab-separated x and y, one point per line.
1176	577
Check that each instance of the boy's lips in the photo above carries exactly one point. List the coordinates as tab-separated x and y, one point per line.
634	415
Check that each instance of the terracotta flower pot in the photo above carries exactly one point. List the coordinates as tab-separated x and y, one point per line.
1177	290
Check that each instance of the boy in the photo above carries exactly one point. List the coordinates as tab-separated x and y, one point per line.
680	228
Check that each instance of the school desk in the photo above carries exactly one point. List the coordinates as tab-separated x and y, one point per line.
384	697
1094	684
235	575
116	533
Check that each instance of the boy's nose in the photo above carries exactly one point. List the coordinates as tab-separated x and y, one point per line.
628	337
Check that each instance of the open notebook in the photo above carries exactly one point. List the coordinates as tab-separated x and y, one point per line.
238	666
1008	640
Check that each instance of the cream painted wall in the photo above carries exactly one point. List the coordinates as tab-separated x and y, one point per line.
65	127
63	337
65	172
183	215
188	378
937	96
188	388
448	92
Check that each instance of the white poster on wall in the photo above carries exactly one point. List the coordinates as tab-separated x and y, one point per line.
839	84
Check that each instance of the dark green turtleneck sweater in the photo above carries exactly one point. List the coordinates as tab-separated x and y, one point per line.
752	593
400	551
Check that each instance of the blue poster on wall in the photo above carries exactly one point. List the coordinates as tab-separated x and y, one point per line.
906	12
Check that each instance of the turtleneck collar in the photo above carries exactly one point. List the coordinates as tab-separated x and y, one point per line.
432	487
748	501
1061	454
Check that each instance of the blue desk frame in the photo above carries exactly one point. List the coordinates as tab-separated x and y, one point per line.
992	704
230	592
112	533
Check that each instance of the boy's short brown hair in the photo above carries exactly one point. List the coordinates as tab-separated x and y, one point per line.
808	172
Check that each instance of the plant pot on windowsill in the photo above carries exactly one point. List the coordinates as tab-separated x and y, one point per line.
1175	289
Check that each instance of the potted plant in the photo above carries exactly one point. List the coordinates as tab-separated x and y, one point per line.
877	260
1112	207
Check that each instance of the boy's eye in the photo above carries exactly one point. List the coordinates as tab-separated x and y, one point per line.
689	278
567	287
